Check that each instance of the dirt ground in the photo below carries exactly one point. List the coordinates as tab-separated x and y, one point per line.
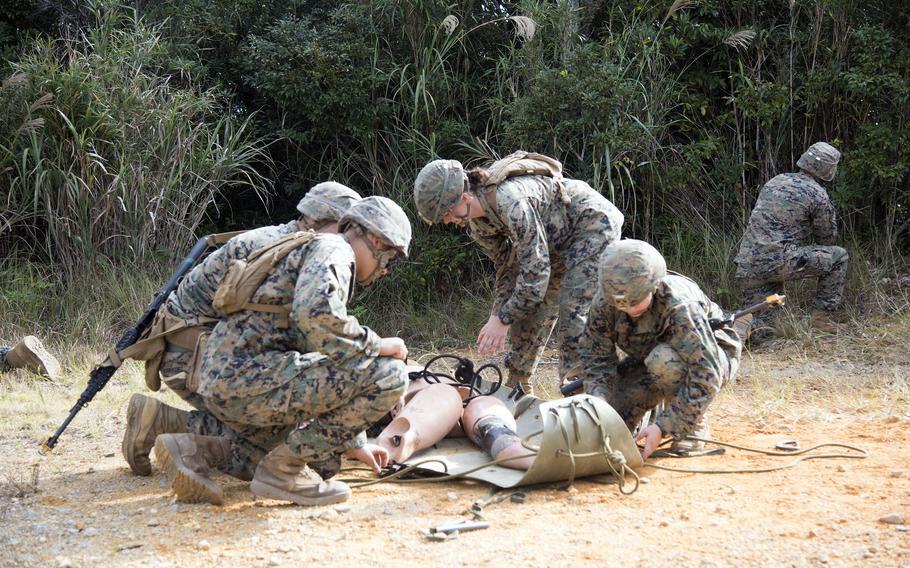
89	510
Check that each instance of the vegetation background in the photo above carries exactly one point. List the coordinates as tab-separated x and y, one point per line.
129	128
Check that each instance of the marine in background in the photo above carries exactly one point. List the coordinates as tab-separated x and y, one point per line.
791	235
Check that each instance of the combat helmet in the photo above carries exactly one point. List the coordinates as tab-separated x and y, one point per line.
820	160
382	217
327	201
438	188
629	270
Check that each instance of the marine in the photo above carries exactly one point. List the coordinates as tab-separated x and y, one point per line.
301	385
660	321
791	235
544	234
320	209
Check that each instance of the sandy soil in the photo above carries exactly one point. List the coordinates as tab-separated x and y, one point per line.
89	510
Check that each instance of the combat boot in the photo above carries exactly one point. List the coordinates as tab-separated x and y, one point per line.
187	460
822	321
282	475
30	354
687	445
146	419
743	328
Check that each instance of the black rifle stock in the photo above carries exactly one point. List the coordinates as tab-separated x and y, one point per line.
101	374
771	301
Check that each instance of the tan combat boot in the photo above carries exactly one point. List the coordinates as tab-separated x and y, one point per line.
822	321
743	327
187	459
31	355
282	475
146	418
686	445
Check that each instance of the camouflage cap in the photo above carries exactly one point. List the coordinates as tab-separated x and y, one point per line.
382	217
327	201
629	270
820	160
438	188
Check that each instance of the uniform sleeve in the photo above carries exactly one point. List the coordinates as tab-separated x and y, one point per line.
690	336
824	224
531	262
498	249
597	348
319	312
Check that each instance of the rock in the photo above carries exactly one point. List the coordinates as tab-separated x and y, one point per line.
91	531
811	534
892	519
343	508
842	468
897	474
152	523
664	524
644	479
901	528
64	562
274	561
329	514
203	545
452	496
153	511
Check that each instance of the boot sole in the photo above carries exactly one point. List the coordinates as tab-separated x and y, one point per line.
188	487
127	447
39	358
267	491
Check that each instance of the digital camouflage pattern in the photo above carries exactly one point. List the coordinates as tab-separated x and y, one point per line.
672	355
438	188
382	217
315	385
629	271
791	235
193	299
326	202
545	239
820	160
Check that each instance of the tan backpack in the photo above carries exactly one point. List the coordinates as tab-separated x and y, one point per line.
244	276
516	164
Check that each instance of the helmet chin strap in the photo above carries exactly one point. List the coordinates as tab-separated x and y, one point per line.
383	258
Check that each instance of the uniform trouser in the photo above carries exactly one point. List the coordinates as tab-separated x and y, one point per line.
639	386
319	414
565	306
827	263
4	366
174	368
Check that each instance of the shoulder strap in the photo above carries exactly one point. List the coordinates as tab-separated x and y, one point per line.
244	277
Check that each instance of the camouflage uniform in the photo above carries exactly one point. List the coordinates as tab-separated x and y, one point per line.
193	299
545	239
317	384
792	211
672	355
4	366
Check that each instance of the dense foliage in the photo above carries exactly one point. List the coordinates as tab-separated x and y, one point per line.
678	112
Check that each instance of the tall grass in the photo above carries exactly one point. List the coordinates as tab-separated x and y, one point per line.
105	162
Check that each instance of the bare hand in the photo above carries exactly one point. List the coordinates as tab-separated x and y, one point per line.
492	337
652	437
372	455
393	347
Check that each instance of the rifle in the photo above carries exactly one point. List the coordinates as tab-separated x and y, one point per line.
101	374
716	323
